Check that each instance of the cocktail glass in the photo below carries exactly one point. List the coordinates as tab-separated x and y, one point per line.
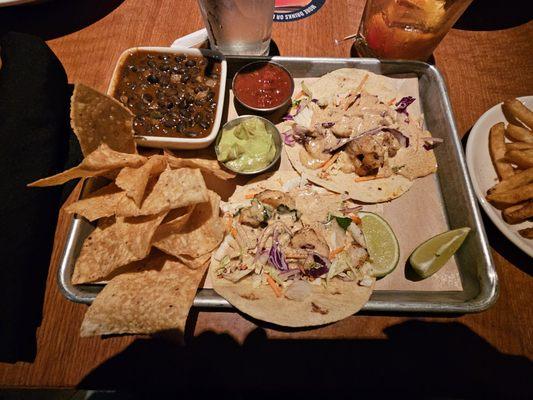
406	29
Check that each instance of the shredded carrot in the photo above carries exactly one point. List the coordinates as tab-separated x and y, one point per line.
356	219
249	196
300	94
360	87
274	286
392	101
233	232
333	253
365	178
229	223
329	162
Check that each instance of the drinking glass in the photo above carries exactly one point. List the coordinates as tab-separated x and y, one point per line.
406	29
238	27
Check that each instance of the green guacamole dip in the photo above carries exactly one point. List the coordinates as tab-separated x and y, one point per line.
247	147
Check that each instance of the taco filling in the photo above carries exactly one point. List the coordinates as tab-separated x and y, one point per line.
279	248
354	135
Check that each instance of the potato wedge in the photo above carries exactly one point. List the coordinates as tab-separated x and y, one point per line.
518	179
511	197
527	233
519	111
521	158
519	134
518	146
518	213
497	151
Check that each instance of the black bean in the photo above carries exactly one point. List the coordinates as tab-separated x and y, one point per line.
164	67
199	102
171	92
185	78
147	97
190	133
182	104
152	79
169	123
204	124
179	58
149	56
184	113
132	68
164	80
170	105
190	63
175	69
163	57
150	63
180	127
182	71
156	115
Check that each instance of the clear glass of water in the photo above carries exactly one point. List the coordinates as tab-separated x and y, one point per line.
238	27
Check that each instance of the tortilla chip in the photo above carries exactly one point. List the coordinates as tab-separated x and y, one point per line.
144	302
153	261
195	263
97	118
133	180
210	166
202	234
101	203
176	219
99	162
127	240
174	189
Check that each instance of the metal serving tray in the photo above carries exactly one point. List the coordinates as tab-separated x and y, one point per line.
476	268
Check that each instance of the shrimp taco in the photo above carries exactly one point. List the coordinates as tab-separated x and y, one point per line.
353	132
295	255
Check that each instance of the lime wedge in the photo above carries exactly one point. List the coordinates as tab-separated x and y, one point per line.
381	243
431	255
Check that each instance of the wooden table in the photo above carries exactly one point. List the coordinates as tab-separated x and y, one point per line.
488	351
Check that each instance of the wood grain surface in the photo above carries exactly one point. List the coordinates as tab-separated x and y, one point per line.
481	68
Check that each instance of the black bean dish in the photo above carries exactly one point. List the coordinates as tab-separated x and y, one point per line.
170	95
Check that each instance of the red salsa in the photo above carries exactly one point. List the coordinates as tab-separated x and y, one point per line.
263	85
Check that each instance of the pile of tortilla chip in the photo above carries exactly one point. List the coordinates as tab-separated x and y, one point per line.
156	225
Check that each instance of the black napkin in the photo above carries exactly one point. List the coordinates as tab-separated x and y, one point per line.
35	138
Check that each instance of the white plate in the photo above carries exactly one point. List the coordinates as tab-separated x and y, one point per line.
15	2
484	176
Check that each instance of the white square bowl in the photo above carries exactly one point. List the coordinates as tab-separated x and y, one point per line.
162	142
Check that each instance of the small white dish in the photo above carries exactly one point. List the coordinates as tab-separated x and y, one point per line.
484	176
162	142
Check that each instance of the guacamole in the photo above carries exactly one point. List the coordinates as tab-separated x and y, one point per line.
247	147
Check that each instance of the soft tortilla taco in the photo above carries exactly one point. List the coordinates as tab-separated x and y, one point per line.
353	132
295	255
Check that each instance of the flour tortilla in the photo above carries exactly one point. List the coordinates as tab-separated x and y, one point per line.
323	306
374	191
344	80
413	162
